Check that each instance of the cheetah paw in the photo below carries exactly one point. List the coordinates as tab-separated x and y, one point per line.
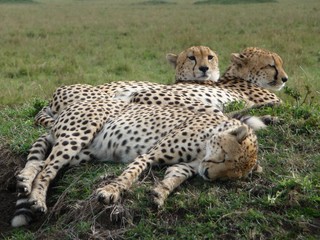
159	195
108	194
257	168
23	186
38	206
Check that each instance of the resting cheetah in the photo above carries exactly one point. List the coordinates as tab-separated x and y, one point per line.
211	145
250	72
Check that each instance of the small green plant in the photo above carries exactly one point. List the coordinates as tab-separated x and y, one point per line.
298	96
21	234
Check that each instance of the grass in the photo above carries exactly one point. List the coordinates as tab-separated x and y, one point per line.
92	42
16	1
57	42
233	1
17	128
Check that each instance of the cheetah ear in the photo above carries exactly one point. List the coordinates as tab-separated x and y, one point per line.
172	59
240	133
239	59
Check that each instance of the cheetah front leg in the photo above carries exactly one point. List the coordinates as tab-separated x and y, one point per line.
174	176
35	163
112	192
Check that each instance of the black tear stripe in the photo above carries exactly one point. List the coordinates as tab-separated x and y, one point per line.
195	64
276	75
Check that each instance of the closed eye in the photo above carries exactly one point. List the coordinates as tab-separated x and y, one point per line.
269	66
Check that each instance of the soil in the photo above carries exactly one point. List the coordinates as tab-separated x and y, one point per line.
7	199
9	165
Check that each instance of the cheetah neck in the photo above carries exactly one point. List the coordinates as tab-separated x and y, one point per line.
247	91
233	72
200	82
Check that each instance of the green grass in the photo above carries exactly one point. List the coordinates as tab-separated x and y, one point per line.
54	43
17	126
61	42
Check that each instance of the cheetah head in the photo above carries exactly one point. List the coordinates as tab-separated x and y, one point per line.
197	63
260	67
230	155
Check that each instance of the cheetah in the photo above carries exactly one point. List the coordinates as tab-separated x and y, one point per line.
197	63
248	78
190	143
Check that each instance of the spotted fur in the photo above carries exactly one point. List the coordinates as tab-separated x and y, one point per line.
89	123
251	73
188	141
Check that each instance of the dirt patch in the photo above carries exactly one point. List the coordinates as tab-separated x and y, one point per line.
9	165
7	200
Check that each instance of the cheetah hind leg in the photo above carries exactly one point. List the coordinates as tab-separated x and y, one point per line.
45	117
174	176
35	163
23	213
28	206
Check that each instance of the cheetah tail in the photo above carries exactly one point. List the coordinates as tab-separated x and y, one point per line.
23	214
255	123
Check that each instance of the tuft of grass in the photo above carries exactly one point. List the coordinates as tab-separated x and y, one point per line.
17	126
234	106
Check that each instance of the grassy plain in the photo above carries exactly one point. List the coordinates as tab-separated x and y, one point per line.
45	44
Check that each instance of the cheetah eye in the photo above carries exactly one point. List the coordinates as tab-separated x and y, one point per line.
192	58
210	57
271	65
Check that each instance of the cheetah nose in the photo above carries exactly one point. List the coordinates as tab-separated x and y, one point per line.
203	69
284	79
